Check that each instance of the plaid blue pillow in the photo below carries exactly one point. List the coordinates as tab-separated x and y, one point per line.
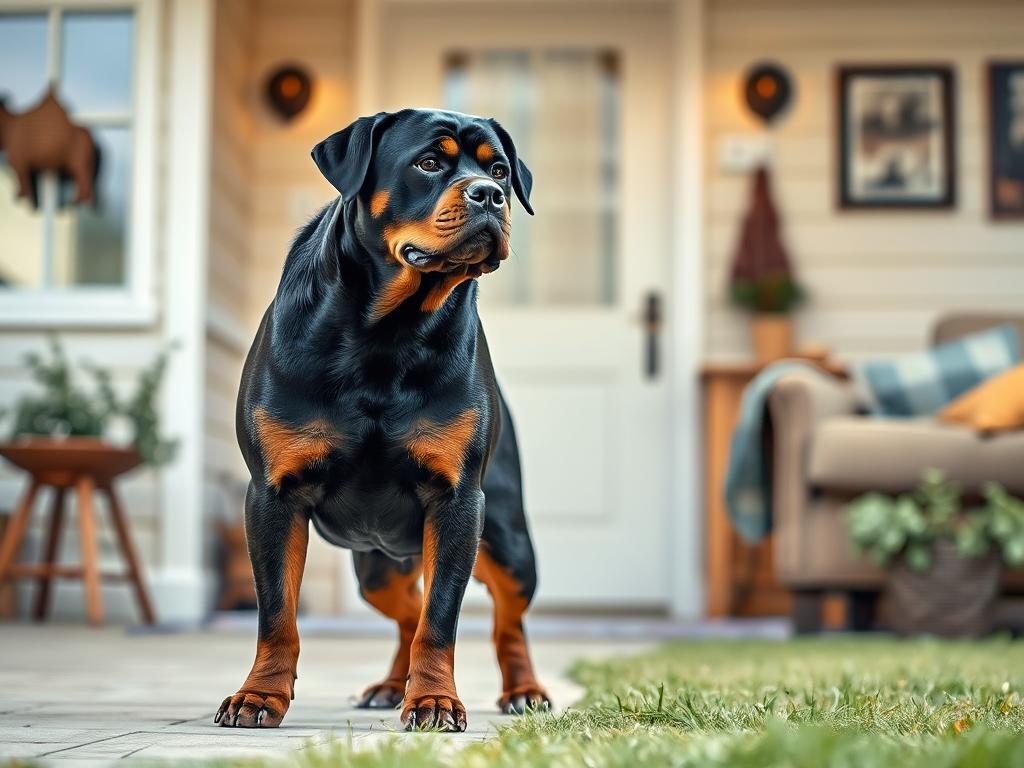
923	383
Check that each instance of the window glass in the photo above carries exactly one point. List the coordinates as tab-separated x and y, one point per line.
96	62
22	85
22	60
21	236
89	247
58	243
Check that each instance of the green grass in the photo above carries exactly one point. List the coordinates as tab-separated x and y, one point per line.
830	702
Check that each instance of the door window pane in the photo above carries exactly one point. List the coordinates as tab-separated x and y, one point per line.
96	62
561	107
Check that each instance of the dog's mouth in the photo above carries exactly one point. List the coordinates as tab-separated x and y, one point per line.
476	253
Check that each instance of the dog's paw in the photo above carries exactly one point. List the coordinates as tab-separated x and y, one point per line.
385	695
252	709
524	698
440	713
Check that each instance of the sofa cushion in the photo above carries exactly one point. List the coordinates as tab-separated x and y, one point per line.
857	454
994	406
921	383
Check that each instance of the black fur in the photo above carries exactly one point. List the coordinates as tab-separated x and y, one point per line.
322	356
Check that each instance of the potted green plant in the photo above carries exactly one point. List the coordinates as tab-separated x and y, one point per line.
945	559
62	410
762	279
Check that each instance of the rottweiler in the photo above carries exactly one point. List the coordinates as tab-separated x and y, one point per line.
368	406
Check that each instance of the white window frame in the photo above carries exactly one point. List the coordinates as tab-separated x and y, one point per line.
134	302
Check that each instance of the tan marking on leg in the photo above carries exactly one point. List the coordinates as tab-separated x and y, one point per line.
271	680
510	604
379	202
401	600
441	448
431	684
288	450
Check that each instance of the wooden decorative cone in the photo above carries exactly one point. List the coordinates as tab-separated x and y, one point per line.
761	260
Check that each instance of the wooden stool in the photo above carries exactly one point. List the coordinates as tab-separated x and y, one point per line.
83	465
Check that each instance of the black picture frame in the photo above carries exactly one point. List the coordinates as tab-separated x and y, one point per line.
896	145
1005	89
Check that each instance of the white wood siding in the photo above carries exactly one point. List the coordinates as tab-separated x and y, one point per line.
876	280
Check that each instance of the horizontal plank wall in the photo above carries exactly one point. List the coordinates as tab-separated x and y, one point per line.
876	280
230	262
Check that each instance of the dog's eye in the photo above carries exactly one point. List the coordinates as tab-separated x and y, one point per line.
429	164
499	172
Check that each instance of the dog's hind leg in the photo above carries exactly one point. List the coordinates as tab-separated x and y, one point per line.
392	587
506	565
277	537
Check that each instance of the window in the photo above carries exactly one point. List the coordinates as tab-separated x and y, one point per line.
66	262
562	107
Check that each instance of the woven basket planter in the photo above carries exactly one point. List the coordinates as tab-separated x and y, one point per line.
956	597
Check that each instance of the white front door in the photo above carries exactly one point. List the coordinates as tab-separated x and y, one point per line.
585	93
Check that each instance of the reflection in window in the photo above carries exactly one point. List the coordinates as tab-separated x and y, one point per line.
61	245
562	108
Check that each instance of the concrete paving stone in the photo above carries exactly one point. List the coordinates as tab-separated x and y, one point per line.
93	696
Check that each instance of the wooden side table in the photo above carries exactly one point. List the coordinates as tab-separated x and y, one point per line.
740	577
83	466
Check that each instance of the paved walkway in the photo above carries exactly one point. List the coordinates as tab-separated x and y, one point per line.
73	693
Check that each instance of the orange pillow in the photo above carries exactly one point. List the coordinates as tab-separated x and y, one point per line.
995	405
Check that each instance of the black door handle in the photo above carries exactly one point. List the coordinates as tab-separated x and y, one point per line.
652	320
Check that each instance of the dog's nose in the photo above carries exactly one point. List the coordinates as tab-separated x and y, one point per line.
485	194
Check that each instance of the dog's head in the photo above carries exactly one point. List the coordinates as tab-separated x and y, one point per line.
432	188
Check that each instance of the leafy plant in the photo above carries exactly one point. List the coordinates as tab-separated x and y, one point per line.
64	409
61	408
777	293
885	527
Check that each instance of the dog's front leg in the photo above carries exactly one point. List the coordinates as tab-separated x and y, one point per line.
451	536
277	537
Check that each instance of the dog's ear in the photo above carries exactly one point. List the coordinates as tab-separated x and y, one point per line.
344	157
522	179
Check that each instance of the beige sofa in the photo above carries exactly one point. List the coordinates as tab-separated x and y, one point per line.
825	453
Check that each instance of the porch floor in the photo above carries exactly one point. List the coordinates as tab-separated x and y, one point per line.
74	693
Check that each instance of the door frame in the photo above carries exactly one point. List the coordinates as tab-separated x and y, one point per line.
685	318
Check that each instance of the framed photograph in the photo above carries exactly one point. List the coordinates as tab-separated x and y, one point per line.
896	137
1006	139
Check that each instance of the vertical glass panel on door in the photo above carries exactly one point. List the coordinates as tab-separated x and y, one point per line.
96	63
562	108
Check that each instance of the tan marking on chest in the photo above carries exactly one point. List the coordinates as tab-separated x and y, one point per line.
403	285
441	448
379	202
288	450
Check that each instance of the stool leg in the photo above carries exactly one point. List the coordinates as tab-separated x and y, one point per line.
50	556
131	556
90	559
16	529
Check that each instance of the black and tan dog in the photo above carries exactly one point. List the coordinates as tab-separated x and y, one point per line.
368	405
